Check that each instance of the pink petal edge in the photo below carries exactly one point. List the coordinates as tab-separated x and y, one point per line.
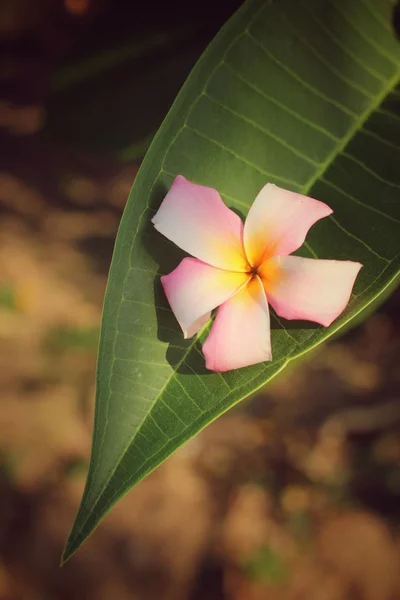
311	289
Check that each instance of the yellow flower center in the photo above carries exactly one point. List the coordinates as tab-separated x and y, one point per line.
267	271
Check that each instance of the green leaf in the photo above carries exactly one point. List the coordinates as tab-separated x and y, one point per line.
302	94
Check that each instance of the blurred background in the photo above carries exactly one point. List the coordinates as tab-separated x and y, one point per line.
293	495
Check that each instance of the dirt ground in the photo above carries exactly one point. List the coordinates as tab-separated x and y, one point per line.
293	495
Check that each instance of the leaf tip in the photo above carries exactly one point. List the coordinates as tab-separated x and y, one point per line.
72	545
69	549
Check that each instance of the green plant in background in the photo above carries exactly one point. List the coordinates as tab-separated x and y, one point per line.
266	566
7	297
304	94
81	339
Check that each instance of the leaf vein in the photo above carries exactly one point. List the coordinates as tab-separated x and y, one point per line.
377	16
360	241
344	48
263	130
357	201
328	64
380	138
290	111
377	47
296	77
369	170
243	159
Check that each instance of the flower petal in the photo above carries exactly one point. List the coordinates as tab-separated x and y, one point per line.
240	335
194	288
278	222
195	218
196	326
308	288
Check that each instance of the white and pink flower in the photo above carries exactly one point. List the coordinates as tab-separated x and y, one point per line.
243	268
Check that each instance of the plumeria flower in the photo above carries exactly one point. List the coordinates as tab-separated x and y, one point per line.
243	268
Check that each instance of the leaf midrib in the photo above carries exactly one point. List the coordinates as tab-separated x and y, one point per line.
358	126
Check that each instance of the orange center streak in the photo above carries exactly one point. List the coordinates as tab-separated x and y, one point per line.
267	271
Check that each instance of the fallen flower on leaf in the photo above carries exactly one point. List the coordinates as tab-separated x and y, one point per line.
243	268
